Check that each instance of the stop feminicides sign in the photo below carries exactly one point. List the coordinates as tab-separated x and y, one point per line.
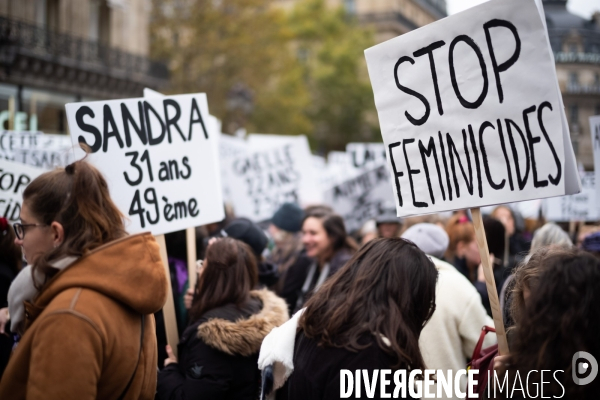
157	156
470	111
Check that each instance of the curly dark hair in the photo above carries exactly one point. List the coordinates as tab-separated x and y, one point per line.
387	289
561	317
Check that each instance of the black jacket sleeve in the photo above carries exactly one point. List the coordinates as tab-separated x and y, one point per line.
205	373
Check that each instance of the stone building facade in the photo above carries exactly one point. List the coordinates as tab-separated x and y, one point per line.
57	51
575	42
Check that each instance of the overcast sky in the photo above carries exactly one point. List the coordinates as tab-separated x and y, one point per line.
584	8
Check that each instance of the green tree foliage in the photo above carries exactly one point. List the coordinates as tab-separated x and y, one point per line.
296	72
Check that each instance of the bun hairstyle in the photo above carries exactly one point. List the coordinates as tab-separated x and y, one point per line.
77	197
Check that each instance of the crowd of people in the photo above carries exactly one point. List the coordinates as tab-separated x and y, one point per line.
281	307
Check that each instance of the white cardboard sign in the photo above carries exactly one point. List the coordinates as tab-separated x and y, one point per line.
469	112
365	156
263	179
157	156
10	140
362	198
577	207
14	178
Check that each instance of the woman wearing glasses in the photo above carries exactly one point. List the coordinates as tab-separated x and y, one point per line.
85	301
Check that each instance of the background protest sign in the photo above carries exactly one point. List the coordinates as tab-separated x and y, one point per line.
14	178
362	198
269	175
595	131
466	111
156	155
47	151
365	156
10	140
576	207
229	147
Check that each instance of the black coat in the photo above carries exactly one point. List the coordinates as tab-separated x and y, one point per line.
297	273
316	373
218	353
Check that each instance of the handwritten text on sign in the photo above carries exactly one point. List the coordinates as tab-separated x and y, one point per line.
577	207
156	156
469	110
14	178
262	180
364	197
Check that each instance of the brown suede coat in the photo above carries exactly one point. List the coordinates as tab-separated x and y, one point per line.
83	330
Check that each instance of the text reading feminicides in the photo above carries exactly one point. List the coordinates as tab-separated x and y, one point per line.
470	111
157	155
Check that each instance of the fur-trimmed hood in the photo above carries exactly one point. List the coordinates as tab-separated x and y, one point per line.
244	337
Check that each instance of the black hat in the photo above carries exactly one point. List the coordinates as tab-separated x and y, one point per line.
289	217
248	232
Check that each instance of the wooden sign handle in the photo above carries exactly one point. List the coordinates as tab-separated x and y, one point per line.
490	283
190	238
169	307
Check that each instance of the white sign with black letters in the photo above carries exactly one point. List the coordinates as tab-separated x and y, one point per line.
365	156
577	207
262	180
469	110
156	155
14	178
364	197
11	140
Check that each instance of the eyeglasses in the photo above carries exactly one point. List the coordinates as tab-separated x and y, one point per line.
20	229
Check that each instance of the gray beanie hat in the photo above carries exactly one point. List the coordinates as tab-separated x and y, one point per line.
430	238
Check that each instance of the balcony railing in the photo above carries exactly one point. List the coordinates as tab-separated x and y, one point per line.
18	37
575	88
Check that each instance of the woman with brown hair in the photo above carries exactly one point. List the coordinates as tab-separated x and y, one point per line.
558	319
218	351
368	316
84	304
327	247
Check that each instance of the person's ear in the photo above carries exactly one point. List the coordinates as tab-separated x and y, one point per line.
58	233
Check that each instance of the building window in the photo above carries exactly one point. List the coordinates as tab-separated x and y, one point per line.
100	22
47	14
573	79
573	48
573	114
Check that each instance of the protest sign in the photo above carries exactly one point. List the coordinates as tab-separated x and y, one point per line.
47	151
577	207
365	156
471	115
466	112
362	198
266	177
229	148
14	178
10	140
156	156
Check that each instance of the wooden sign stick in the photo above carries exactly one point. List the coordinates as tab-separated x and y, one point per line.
490	283
169	308
190	238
